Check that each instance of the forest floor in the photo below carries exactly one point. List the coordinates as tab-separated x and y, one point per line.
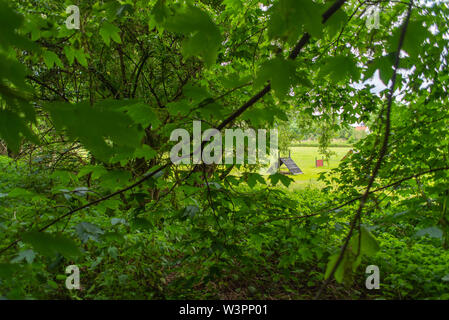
285	259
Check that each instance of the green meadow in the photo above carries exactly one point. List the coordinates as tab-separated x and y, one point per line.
305	159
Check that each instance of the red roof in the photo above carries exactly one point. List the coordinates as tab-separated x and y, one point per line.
361	128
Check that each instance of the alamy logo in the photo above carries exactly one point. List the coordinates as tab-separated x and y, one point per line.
73	280
373	280
73	21
211	144
372	18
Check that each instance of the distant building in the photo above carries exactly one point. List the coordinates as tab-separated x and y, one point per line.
362	128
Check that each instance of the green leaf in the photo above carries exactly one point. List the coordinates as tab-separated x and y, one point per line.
195	93
414	37
203	35
340	69
143	114
385	66
13	129
290	18
7	270
115	221
125	8
356	262
280	72
103	129
27	255
86	231
159	13
254	178
181	107
190	211
369	244
81	57
234	80
113	252
20	193
275	178
13	72
97	171
109	31
145	152
335	23
50	59
311	15
51	244
141	224
70	54
10	21
52	284
233	4
340	271
113	236
433	232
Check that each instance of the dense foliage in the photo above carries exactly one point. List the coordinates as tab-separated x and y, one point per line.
86	178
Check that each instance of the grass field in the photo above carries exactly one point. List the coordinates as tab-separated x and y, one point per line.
305	159
303	156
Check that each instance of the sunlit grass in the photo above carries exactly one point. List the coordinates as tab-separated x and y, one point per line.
305	159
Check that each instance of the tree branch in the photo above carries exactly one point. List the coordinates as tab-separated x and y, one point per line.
382	153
